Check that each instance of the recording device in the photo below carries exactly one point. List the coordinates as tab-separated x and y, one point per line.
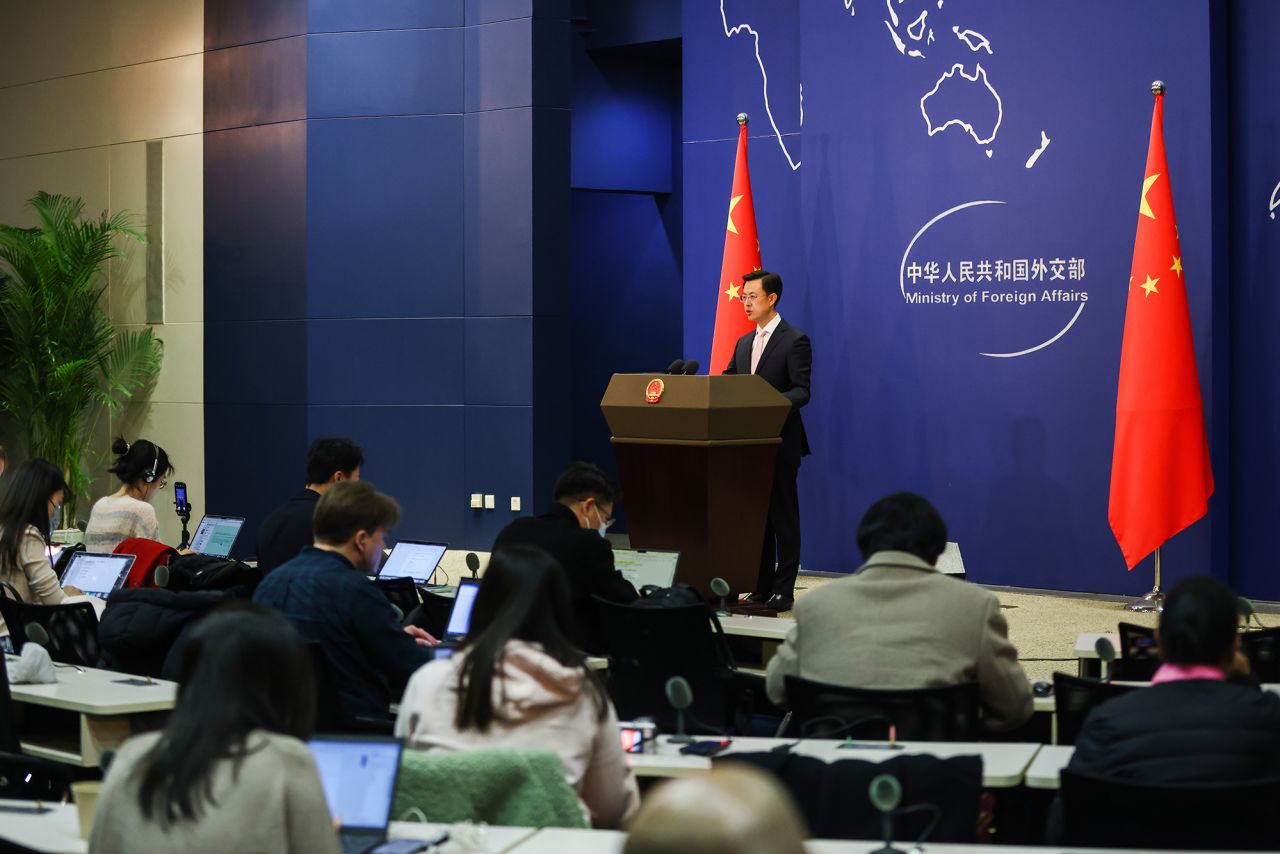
720	588
676	367
638	736
183	508
680	696
1107	653
886	795
691	367
473	563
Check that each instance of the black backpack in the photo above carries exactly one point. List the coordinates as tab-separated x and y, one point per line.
203	572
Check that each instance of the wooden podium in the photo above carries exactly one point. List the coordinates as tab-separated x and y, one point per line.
696	467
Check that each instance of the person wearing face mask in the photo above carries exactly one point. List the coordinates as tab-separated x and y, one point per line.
143	469
572	532
325	593
35	495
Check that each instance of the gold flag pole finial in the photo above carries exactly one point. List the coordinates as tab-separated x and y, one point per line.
743	118
1158	87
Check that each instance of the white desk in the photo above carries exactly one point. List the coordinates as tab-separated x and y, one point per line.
1052	758
492	840
1003	764
766	628
108	711
56	832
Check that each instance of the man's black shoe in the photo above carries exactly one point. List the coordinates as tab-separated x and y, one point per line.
778	602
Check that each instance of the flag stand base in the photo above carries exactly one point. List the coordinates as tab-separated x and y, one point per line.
1153	601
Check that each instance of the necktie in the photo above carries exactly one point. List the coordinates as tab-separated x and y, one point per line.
757	348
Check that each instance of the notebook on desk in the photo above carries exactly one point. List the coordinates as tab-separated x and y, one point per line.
646	567
97	575
216	535
416	559
358	773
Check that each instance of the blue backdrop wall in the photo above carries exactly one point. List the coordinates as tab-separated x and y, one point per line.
950	193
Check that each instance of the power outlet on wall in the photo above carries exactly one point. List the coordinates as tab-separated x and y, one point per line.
489	502
477	501
515	504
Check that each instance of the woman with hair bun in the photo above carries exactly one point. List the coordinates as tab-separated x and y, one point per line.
143	469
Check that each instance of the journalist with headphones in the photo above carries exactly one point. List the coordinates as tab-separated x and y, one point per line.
143	468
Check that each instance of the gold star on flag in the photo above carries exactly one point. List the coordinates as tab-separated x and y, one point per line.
1143	207
733	291
733	203
1150	286
1177	266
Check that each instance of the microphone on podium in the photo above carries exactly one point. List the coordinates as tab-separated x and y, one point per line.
691	367
473	563
680	696
676	367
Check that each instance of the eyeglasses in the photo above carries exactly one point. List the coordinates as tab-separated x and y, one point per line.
750	298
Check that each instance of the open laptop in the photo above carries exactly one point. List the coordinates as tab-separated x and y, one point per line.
358	773
414	559
644	567
216	535
97	574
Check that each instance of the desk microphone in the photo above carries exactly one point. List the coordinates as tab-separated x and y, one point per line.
886	795
691	367
720	587
37	635
473	563
1107	653
680	696
676	367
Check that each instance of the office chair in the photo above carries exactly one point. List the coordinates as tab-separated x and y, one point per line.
1075	697
818	710
1139	659
1262	648
1099	811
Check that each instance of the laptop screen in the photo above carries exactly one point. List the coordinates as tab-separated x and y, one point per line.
216	535
413	559
359	779
643	566
97	574
460	616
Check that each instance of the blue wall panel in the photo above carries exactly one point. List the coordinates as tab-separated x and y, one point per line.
256	361
255	223
384	361
233	94
410	454
498	212
252	463
488	11
1255	315
385	73
234	22
499	461
328	16
497	361
384	235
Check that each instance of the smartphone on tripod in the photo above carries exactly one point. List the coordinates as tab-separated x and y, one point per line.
183	507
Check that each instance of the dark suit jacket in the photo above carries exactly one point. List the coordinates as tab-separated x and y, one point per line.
1196	730
785	365
287	530
587	559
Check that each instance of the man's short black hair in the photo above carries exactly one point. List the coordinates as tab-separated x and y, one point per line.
329	455
1198	623
581	481
903	522
771	283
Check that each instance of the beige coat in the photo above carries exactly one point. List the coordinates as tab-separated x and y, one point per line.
897	624
33	577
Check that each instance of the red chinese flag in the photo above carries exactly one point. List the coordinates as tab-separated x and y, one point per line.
1160	474
741	256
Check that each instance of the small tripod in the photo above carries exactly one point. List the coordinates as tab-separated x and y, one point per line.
184	513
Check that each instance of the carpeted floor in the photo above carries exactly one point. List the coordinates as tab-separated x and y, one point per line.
1043	626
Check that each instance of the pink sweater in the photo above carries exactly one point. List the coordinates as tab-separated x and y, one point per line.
540	705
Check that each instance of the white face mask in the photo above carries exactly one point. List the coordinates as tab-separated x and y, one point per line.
603	527
55	523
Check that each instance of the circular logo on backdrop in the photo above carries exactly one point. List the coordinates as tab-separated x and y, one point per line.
653	391
1043	289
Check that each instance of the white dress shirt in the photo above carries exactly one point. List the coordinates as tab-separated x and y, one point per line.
762	338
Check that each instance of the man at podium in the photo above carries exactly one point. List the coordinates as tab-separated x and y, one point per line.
781	355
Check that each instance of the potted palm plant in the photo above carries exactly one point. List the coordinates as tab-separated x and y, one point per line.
62	362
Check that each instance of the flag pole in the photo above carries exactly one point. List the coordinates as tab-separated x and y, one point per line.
1153	601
